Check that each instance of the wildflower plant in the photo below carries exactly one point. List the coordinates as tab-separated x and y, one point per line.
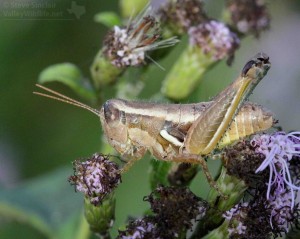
129	45
259	175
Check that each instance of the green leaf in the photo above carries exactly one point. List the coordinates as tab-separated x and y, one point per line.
12	212
70	75
48	204
108	19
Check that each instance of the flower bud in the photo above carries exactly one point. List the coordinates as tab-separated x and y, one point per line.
101	217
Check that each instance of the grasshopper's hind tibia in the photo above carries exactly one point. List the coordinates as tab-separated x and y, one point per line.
197	159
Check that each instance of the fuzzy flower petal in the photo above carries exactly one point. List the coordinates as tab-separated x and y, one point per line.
215	39
128	46
96	177
278	150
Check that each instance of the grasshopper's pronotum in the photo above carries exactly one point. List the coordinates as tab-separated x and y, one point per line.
183	132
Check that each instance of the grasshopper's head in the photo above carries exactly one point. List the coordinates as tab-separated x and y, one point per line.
114	124
257	67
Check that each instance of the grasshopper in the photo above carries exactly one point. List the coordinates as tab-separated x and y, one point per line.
183	132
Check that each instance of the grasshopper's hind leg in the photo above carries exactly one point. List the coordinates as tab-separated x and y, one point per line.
197	159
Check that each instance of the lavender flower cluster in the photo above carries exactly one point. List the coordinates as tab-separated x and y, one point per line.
215	39
272	205
95	177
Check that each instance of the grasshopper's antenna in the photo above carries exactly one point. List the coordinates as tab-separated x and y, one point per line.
65	99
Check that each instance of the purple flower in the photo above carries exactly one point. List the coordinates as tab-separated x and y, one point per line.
215	39
96	178
281	213
259	218
128	46
278	150
236	217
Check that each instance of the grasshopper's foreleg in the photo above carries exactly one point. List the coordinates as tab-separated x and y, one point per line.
129	164
198	159
134	154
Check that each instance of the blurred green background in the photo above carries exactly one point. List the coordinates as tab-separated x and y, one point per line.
39	136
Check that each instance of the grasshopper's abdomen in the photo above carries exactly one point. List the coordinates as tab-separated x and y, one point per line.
251	119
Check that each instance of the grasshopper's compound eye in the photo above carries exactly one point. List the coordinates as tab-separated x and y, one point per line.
111	113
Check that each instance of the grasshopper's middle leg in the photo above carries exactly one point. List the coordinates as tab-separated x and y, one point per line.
197	159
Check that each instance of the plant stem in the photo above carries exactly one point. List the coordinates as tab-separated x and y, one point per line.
186	73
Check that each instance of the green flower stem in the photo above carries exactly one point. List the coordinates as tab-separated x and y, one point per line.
132	83
186	73
131	8
220	232
100	218
103	72
232	187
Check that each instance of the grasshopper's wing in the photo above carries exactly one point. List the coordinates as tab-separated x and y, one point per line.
207	130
